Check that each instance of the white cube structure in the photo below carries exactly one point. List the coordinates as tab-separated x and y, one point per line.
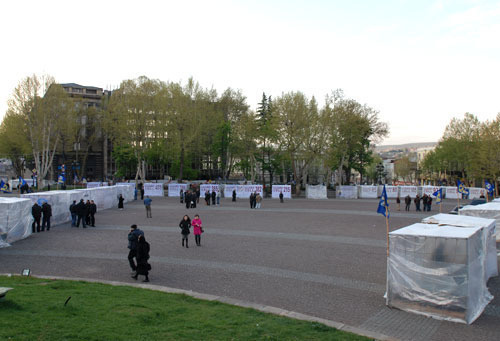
437	271
488	235
15	220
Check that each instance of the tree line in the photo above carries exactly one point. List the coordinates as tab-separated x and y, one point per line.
183	130
469	150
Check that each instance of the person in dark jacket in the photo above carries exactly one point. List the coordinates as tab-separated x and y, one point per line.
36	212
143	266
398	202
214	196
120	202
281	197
252	200
133	238
92	212
207	198
198	193
424	201
234	195
47	213
417	203
141	189
187	199
185	225
72	210
87	211
181	195
81	211
407	202
429	203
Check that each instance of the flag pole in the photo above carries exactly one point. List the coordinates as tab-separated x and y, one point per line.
387	227
458	202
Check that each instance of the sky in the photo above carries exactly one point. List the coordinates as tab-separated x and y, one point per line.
419	63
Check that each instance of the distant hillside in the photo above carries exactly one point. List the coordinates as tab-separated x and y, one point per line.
413	146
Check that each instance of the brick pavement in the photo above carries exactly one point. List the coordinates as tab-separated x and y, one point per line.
322	258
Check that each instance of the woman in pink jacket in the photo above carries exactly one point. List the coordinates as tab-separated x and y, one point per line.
197	229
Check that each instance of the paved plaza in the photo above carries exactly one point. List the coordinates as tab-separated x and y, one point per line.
325	258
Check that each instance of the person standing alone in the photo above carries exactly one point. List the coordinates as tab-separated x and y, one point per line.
143	266
147	204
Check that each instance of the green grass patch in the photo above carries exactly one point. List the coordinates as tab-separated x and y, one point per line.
35	310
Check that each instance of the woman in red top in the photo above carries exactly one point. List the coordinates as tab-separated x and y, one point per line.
197	229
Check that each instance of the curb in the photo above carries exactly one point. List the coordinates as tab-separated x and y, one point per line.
231	301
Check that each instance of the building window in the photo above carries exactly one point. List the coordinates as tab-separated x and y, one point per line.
91	91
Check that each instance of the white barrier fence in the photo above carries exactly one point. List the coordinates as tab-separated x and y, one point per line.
15	220
316	192
154	189
242	191
174	189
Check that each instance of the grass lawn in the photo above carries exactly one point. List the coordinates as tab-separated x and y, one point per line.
35	310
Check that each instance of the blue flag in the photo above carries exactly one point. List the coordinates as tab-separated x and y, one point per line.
383	205
461	188
3	187
21	181
489	187
439	195
61	179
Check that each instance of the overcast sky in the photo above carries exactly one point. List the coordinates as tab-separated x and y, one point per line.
419	63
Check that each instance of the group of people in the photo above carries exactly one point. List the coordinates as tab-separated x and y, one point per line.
426	201
83	212
185	226
215	196
190	198
255	200
44	213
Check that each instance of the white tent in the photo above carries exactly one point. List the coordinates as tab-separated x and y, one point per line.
437	271
15	220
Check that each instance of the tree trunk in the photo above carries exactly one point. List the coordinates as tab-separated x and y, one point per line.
181	163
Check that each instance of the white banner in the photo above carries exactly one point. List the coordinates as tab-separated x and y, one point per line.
476	192
408	190
96	184
368	191
208	187
452	193
429	190
285	189
392	191
316	192
154	189
174	189
347	192
242	191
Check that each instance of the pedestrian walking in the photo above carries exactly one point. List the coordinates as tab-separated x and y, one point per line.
36	212
197	229
133	238
147	204
120	201
407	202
185	225
214	196
258	200
142	256
398	202
281	197
92	212
47	213
81	211
72	210
234	195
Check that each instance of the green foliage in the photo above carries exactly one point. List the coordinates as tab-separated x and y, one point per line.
14	143
35	310
125	160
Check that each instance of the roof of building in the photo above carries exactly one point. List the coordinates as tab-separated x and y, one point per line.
74	85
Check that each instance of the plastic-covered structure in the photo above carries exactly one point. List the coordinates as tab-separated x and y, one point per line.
347	192
15	220
316	192
437	271
488	232
58	200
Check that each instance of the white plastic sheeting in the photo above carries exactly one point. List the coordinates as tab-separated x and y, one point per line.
488	230
59	200
15	220
429	190
437	271
392	191
451	192
368	191
347	192
153	189
316	192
